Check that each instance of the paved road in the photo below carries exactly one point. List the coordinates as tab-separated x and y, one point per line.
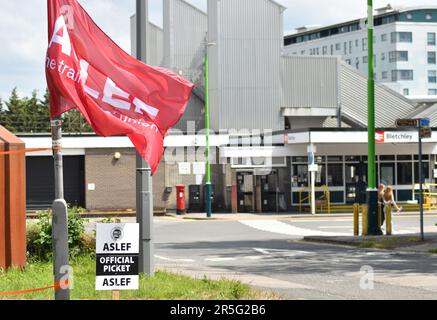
268	253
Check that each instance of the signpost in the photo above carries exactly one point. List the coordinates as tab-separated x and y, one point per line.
425	132
312	168
117	256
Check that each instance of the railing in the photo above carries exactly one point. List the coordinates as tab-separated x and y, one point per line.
323	201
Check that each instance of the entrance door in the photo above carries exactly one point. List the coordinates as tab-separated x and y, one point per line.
40	185
246	192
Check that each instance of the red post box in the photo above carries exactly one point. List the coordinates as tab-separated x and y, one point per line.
180	200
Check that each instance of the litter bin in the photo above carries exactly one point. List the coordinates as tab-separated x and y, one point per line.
180	200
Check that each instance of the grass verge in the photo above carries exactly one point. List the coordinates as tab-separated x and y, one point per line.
389	243
164	286
433	251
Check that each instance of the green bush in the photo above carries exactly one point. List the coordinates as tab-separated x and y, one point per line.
39	235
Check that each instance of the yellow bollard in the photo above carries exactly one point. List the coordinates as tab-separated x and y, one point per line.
388	219
356	220
365	210
379	215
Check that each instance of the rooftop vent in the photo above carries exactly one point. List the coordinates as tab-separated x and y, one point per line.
387	8
308	28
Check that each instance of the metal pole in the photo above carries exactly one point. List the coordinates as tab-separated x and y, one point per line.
60	218
144	190
372	192
313	193
422	233
207	153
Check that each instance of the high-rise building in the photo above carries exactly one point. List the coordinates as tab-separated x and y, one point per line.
404	42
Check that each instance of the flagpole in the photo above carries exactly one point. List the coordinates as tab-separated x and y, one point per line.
144	184
60	217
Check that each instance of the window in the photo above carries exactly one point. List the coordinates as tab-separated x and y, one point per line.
409	16
431	57
364	44
350	47
383	37
357	63
432	92
365	59
325	50
431	39
402	75
332	49
383	56
401	37
338	46
317	51
345	48
405	173
425	171
428	16
302	52
357	43
335	174
384	75
432	76
406	92
395	56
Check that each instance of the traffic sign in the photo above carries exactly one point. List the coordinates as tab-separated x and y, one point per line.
426	133
407	123
425	123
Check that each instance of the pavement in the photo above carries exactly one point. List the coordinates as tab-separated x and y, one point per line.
268	252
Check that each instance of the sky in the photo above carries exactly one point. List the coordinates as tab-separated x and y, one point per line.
23	30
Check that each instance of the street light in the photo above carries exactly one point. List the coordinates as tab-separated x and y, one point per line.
372	192
207	120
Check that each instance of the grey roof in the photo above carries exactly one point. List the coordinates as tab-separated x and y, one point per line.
390	105
426	112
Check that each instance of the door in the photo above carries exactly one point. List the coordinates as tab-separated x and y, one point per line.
246	192
40	185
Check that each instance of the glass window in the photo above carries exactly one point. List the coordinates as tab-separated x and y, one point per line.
300	175
404	158
387	173
431	57
432	76
357	43
406	92
402	75
425	157
300	159
395	56
353	158
325	50
364	44
431	39
365	59
405	173
387	158
383	37
335	175
428	16
351	172
401	37
345	48
384	75
425	172
432	92
335	159
337	46
321	176
383	56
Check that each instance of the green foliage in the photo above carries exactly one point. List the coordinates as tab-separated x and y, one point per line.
39	235
32	115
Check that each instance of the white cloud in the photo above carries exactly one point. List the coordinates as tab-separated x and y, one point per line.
23	29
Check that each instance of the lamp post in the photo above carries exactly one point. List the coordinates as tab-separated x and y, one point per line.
208	203
372	192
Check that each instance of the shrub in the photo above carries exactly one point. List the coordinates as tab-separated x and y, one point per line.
39	235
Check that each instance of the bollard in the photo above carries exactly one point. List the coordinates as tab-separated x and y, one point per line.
364	210
388	219
379	216
356	220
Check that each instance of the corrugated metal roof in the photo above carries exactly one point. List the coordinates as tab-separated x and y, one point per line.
429	112
389	107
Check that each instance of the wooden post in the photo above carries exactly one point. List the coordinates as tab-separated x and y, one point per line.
12	201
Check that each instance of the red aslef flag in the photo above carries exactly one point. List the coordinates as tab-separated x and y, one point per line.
117	94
